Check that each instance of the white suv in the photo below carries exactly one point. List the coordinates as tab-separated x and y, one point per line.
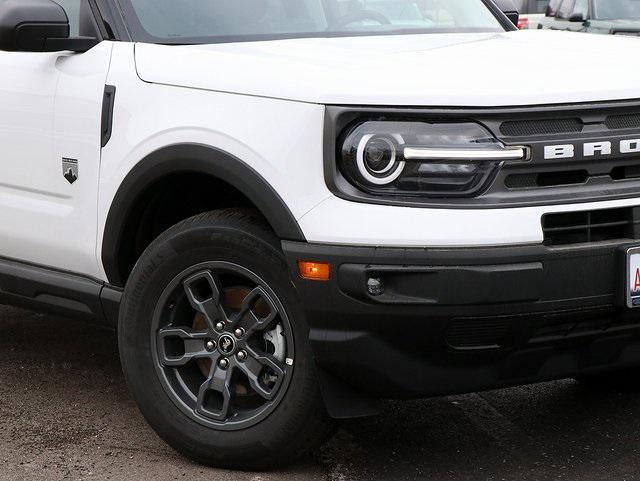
293	208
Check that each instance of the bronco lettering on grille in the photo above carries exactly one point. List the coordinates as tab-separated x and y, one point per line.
591	149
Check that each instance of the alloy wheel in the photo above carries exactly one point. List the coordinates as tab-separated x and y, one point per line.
222	345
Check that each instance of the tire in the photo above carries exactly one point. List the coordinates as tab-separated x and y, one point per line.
260	413
625	381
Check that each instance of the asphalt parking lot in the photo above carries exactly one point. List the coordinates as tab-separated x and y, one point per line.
66	414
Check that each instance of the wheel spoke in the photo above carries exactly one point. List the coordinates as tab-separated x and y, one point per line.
221	338
193	343
219	381
247	316
205	296
254	366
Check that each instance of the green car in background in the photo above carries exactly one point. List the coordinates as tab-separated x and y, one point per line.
615	17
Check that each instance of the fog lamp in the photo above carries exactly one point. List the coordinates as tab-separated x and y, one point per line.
375	286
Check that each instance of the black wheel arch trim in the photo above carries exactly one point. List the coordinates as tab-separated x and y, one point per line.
196	158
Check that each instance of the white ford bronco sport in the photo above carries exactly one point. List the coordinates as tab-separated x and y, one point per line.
291	209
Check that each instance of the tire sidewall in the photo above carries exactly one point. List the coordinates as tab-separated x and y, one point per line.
170	255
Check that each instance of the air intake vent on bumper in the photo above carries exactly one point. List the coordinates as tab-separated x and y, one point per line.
472	334
591	226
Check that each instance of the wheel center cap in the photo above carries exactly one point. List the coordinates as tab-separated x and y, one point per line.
226	344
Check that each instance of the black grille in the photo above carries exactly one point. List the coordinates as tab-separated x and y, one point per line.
522	128
556	178
469	334
556	327
628	121
546	179
540	181
591	226
491	333
625	172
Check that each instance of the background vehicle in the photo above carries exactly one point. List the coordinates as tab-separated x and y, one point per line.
617	17
552	8
531	12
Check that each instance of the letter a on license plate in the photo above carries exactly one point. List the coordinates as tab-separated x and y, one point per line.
633	277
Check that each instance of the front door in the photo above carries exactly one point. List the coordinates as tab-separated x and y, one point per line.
50	123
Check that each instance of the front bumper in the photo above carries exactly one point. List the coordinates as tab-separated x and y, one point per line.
461	320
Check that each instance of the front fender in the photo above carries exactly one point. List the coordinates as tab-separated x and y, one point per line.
196	158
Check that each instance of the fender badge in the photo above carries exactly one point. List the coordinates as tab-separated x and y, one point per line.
70	170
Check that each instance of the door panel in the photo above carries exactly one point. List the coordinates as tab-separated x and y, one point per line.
50	109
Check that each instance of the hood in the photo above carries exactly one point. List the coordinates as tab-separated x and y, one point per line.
471	70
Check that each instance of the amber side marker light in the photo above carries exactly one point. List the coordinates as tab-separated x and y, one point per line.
314	271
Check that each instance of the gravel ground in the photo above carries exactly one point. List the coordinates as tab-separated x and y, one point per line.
65	413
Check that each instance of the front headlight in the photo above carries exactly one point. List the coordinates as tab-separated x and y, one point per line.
423	159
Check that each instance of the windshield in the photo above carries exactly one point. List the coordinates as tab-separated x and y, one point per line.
616	9
210	21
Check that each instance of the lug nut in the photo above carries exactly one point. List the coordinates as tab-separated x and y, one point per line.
219	326
375	286
224	363
210	345
239	332
242	355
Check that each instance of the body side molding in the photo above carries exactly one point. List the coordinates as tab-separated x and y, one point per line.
191	158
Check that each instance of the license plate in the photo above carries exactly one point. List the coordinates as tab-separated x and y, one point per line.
633	277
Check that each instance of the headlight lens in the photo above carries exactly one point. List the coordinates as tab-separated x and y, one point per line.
423	159
377	158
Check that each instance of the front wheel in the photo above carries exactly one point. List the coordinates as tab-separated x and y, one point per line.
214	345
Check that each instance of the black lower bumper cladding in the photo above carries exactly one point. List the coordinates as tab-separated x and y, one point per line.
444	321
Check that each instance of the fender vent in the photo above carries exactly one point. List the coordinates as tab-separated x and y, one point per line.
523	128
591	226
